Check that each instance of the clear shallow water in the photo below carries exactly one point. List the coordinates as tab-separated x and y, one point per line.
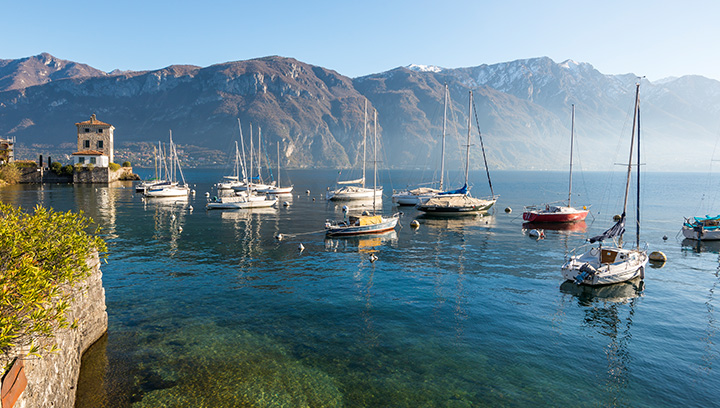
467	312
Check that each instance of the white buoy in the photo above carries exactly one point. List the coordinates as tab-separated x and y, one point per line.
537	233
279	236
508	210
616	217
373	258
172	217
192	192
415	224
307	192
285	204
345	208
313	198
180	229
207	194
301	247
190	208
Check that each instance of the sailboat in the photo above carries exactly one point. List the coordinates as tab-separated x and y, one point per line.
141	187
419	195
243	199
460	202
365	223
170	188
277	189
355	189
558	213
604	265
254	183
228	182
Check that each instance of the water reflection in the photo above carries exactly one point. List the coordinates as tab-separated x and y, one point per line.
168	220
457	223
361	243
560	227
610	310
700	246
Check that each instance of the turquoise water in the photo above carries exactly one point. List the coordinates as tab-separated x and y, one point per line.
458	313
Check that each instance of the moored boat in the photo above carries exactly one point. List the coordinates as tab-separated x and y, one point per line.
702	228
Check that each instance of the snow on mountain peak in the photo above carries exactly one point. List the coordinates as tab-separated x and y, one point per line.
424	68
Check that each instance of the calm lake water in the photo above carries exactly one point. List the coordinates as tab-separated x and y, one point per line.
458	313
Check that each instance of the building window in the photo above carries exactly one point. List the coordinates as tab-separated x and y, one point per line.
92	160
87	130
100	130
100	144
87	144
81	160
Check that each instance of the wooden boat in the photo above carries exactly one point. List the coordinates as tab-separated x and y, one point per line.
366	223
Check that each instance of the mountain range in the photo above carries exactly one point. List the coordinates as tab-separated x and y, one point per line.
522	109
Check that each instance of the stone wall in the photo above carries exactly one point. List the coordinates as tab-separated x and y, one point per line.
51	380
102	175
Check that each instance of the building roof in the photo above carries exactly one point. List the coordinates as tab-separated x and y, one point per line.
88	153
93	121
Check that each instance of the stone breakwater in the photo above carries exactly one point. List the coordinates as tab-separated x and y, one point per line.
52	379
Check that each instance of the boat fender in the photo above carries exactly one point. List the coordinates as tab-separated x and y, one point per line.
642	272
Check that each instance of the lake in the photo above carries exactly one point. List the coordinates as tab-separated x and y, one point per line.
459	313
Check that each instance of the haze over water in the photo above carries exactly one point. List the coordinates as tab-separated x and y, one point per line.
459	313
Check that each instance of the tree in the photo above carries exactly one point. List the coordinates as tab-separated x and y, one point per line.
42	256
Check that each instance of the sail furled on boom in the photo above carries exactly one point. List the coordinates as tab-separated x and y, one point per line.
616	230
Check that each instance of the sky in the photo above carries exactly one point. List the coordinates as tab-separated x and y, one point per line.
657	39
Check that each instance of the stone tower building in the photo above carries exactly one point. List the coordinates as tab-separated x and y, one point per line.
94	135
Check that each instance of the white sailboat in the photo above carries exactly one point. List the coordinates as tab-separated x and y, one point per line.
228	182
355	189
419	195
170	188
254	183
243	199
604	265
365	223
459	202
277	189
158	179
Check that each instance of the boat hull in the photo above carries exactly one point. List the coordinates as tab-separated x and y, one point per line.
167	192
627	265
388	224
554	217
701	235
242	204
479	207
354	194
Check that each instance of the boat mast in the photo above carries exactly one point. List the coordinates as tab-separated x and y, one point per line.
442	151
572	136
259	154
172	162
364	143
278	168
632	142
242	143
637	218
250	168
467	147
482	148
375	161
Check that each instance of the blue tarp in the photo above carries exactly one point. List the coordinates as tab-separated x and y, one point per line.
462	190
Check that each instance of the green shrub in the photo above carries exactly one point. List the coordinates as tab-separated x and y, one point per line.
9	173
68	170
126	164
90	166
44	254
56	167
114	166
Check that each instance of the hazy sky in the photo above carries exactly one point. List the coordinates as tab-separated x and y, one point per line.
652	38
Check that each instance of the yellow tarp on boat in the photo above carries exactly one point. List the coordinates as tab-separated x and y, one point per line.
370	220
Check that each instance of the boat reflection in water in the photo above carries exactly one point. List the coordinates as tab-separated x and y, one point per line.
610	310
479	220
561	227
360	243
700	246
